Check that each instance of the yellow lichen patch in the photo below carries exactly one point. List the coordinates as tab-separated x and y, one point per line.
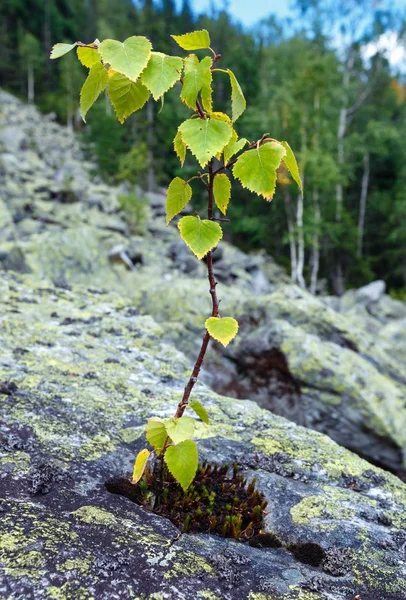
186	564
68	591
94	514
312	508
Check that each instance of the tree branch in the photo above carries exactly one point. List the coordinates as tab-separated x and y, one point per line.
215	306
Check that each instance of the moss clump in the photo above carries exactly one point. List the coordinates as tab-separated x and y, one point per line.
219	501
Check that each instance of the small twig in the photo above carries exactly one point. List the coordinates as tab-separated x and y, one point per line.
92	46
220	220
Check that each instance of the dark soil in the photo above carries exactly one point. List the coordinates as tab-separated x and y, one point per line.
219	501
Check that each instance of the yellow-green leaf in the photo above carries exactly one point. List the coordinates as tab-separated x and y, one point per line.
129	57
155	433
256	169
61	49
195	80
178	195
195	40
233	147
180	429
222	329
182	461
140	464
222	192
200	235
291	165
199	409
88	56
205	137
238	103
180	147
126	96
190	62
162	73
94	85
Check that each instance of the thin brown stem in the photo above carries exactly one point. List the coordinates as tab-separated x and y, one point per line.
215	307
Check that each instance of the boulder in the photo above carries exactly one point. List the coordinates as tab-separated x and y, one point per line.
81	373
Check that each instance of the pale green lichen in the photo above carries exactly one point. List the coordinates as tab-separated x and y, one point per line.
314	508
19	461
94	514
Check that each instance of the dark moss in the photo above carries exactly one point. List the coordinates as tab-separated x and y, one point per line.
308	553
219	501
265	540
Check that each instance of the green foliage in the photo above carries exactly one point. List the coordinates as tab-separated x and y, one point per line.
256	168
195	40
182	461
222	329
199	409
131	71
180	429
205	138
198	78
180	147
291	164
94	85
156	433
238	102
126	96
61	49
178	195
140	464
201	235
222	192
162	73
88	56
129	57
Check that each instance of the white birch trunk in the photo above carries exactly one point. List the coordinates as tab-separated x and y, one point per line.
363	204
291	234
300	242
315	243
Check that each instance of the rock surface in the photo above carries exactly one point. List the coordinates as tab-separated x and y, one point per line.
90	318
83	373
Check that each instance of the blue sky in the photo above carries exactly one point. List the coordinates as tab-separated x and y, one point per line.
248	11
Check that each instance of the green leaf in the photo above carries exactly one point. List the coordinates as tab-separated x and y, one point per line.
291	165
222	329
88	56
256	169
140	464
155	433
182	461
222	192
126	96
195	40
180	429
180	147
200	236
129	57
238	103
205	137
198	79
178	195
190	62
199	409
162	73
233	148
61	49
92	88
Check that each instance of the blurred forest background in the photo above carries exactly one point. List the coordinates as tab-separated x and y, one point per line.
324	81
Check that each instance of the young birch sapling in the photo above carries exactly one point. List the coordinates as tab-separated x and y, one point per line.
130	72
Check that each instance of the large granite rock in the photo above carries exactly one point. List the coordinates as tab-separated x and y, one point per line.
335	366
81	371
